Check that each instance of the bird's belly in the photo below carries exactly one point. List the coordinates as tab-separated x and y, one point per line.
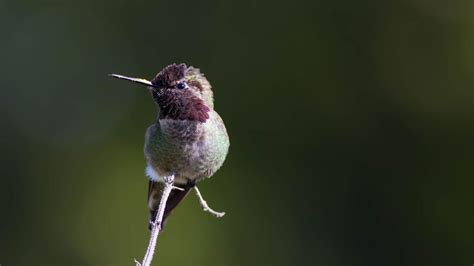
189	162
191	152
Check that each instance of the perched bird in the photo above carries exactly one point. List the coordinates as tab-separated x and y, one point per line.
188	139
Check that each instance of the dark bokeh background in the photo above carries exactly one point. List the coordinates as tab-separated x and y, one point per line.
351	126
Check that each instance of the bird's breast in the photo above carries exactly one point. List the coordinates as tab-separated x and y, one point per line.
191	149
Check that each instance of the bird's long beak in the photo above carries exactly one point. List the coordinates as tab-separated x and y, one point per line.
136	80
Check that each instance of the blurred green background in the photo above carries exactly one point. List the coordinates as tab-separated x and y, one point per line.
351	126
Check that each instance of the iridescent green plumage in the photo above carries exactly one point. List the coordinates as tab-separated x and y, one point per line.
189	138
192	150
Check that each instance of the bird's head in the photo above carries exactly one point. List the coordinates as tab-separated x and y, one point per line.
181	92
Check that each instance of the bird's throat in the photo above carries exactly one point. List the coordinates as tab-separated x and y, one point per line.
182	107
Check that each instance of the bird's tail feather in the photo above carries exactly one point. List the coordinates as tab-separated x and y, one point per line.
155	190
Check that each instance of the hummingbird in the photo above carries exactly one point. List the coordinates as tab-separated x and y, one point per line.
188	139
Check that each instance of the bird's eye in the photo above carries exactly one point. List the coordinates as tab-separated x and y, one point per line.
181	85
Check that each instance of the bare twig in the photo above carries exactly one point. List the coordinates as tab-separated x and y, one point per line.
178	188
206	207
157	223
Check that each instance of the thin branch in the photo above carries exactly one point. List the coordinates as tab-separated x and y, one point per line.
178	188
206	207
157	223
